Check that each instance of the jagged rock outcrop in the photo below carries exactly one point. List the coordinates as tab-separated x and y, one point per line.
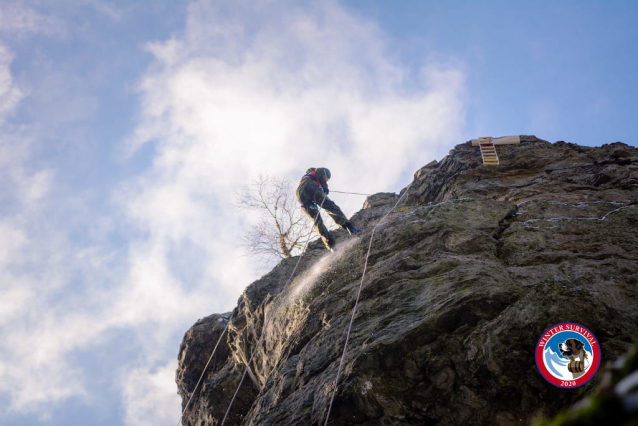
463	278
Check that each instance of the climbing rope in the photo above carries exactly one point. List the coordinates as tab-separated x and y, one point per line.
263	330
354	310
354	193
580	204
203	371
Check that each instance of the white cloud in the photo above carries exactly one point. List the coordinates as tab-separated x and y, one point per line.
17	19
308	88
272	88
150	397
246	88
34	265
276	89
10	94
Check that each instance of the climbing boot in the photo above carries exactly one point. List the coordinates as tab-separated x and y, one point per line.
330	243
351	229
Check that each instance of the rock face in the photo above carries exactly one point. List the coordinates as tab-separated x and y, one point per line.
464	276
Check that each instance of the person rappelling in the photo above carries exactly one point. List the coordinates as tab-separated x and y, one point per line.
312	193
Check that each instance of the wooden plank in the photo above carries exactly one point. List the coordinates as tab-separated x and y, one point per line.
503	140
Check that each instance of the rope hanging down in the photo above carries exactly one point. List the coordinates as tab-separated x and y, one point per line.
354	310
203	371
365	266
268	322
263	330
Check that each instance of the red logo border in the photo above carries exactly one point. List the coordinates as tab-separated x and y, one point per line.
579	381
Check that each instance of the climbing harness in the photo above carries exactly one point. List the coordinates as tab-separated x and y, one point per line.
267	323
354	310
313	175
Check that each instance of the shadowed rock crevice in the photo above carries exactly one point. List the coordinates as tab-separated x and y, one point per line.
463	277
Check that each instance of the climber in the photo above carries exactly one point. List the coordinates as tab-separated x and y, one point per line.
312	192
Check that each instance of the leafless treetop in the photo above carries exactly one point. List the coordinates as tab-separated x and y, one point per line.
282	228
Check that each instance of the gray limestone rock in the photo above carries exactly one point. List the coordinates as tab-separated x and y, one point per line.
463	277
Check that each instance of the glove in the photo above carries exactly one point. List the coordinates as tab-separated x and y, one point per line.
325	190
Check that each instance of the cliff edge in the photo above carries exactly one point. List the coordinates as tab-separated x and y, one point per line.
463	277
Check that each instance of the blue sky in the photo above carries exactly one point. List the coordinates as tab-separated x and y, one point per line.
127	127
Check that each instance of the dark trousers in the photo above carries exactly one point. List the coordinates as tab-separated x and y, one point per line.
311	198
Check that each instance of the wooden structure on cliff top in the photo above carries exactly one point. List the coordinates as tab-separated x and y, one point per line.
487	145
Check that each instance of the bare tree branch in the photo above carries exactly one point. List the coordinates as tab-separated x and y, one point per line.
282	227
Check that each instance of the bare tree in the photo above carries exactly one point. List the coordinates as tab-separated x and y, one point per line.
282	228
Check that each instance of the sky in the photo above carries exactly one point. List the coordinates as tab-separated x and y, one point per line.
127	127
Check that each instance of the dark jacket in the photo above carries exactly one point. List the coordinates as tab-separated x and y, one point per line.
321	175
307	189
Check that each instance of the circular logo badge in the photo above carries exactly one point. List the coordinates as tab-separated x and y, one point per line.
567	355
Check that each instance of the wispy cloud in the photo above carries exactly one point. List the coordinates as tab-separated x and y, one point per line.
24	355
246	88
18	19
280	88
10	93
274	88
150	397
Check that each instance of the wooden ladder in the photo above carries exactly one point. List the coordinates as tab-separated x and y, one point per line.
488	151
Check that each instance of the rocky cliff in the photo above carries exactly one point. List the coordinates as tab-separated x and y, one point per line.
463	278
